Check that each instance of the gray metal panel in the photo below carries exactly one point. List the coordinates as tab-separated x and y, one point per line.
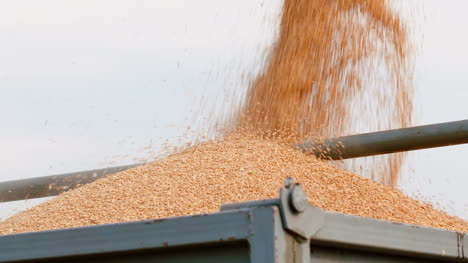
383	236
262	234
269	241
464	247
335	255
195	230
232	253
284	242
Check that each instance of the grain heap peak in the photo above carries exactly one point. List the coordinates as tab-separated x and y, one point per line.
202	178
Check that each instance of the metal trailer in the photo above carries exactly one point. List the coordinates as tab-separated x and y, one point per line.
286	229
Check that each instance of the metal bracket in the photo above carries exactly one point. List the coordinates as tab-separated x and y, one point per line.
296	211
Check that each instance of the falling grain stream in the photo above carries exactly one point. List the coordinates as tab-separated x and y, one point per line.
325	56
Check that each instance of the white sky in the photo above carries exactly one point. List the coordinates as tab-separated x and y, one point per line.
88	84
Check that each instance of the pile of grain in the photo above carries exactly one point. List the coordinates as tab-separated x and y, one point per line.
202	178
328	54
325	56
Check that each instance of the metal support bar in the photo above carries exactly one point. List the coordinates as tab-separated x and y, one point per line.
52	185
399	140
353	146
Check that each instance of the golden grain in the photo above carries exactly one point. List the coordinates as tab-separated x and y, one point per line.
317	66
200	179
327	54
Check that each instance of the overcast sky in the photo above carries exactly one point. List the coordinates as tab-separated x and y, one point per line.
89	84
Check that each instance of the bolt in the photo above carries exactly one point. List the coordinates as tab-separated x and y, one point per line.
288	182
298	199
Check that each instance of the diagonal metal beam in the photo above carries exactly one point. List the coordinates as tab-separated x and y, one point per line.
391	141
52	185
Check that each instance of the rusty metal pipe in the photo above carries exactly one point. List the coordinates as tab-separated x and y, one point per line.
391	141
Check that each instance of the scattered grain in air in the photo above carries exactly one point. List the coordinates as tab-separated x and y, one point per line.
327	54
323	57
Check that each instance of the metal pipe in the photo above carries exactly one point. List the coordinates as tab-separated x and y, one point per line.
391	141
353	146
52	185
